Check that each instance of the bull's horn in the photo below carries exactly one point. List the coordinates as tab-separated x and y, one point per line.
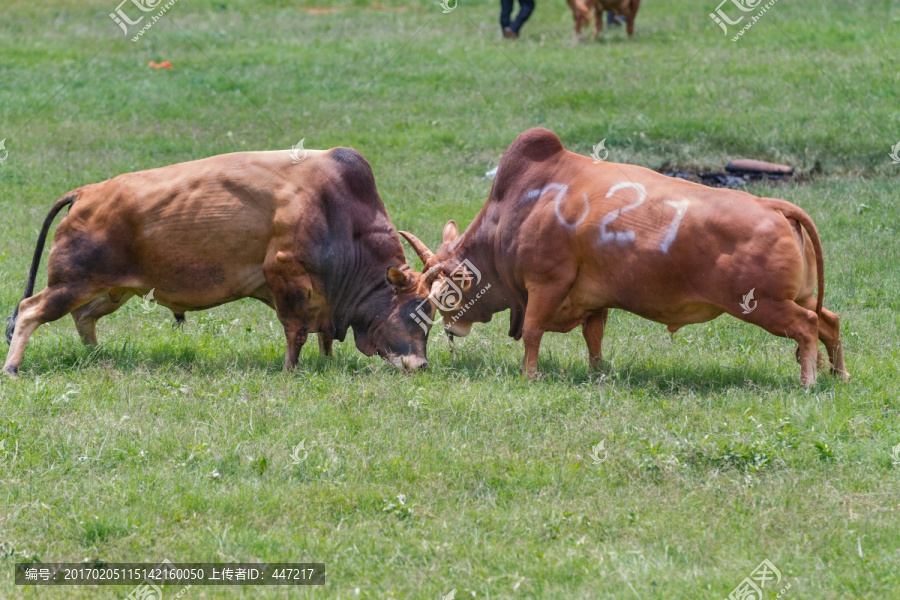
432	274
421	249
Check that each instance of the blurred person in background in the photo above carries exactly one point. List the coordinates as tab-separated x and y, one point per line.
511	29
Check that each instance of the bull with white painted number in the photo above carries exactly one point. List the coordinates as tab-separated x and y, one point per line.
562	239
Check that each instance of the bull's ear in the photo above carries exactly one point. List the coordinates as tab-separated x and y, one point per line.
396	277
451	233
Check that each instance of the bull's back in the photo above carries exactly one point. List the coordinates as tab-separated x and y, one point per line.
653	245
201	229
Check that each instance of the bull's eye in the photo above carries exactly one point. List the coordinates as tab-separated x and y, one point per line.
417	311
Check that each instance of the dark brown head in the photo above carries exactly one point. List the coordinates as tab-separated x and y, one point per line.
400	335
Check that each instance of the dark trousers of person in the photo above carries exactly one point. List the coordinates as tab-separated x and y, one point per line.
526	7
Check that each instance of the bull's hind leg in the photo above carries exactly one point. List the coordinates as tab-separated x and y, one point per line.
786	318
49	305
598	20
631	15
87	315
592	330
830	334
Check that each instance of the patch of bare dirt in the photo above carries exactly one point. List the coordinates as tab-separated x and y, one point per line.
734	179
321	11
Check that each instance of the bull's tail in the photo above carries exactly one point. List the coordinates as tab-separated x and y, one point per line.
67	200
793	211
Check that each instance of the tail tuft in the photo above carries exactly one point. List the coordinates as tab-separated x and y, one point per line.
11	328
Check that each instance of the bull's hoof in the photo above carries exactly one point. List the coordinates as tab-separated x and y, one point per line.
11	371
842	375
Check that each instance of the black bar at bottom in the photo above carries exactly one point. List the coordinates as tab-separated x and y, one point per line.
168	573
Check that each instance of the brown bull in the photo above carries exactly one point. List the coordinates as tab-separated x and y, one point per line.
581	12
562	239
309	237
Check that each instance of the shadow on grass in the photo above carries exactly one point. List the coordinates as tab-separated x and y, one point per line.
199	359
707	379
127	358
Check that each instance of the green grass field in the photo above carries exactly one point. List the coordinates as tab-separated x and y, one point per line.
174	444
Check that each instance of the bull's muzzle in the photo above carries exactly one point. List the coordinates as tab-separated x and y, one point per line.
408	363
414	363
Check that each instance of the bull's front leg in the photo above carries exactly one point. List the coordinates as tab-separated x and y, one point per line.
592	330
580	15
291	311
325	345
542	313
532	339
545	309
296	334
290	289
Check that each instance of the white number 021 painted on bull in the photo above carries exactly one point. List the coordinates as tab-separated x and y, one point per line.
623	237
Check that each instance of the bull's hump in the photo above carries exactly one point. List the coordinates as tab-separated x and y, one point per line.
354	172
527	163
536	144
347	156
